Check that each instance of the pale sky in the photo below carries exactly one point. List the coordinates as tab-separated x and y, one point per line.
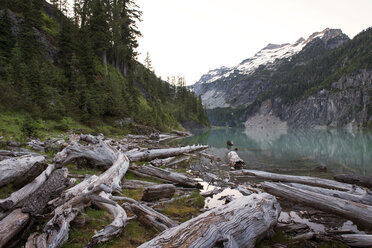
191	37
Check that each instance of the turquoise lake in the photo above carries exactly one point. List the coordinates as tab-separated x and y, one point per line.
293	151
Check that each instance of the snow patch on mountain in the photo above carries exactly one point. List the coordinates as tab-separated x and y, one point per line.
267	55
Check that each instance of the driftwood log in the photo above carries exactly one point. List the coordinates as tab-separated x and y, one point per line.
52	188
240	223
11	225
366	198
99	155
358	212
170	176
76	198
358	240
355	179
146	215
313	181
156	192
26	190
149	155
136	184
234	160
21	170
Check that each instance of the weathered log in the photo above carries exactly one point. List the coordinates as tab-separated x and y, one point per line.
115	227
21	170
27	190
162	153
75	199
99	155
241	223
89	138
36	240
52	188
161	162
211	157
313	181
147	216
292	227
234	160
212	192
358	240
180	133
366	198
178	178
136	184
354	179
11	225
156	192
304	236
358	212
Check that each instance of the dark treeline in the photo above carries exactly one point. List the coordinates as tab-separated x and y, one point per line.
84	66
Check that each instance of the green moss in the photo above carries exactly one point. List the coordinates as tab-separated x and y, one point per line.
78	170
6	191
135	194
184	208
80	236
134	235
131	176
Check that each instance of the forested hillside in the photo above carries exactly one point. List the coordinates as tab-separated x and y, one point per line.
84	68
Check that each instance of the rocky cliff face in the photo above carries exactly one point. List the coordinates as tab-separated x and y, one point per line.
311	83
225	87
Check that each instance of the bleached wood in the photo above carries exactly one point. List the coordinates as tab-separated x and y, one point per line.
19	168
99	155
136	184
358	212
240	223
11	225
313	181
159	191
75	199
26	190
358	240
162	153
355	179
148	216
366	198
234	160
115	227
177	178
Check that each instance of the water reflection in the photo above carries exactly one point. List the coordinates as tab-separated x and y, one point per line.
294	150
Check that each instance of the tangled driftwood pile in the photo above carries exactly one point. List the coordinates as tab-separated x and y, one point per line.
48	191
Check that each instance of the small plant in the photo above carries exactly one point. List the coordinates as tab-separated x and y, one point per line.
29	128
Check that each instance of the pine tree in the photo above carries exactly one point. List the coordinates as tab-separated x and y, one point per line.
148	62
6	36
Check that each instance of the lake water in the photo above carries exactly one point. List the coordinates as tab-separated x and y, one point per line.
293	151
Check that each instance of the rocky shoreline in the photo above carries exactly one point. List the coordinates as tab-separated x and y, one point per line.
163	176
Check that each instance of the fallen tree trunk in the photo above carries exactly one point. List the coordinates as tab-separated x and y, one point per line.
52	188
136	184
358	240
21	170
313	181
360	213
162	153
355	179
178	178
240	223
12	225
27	190
99	155
146	215
115	227
234	160
77	197
365	199
156	192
